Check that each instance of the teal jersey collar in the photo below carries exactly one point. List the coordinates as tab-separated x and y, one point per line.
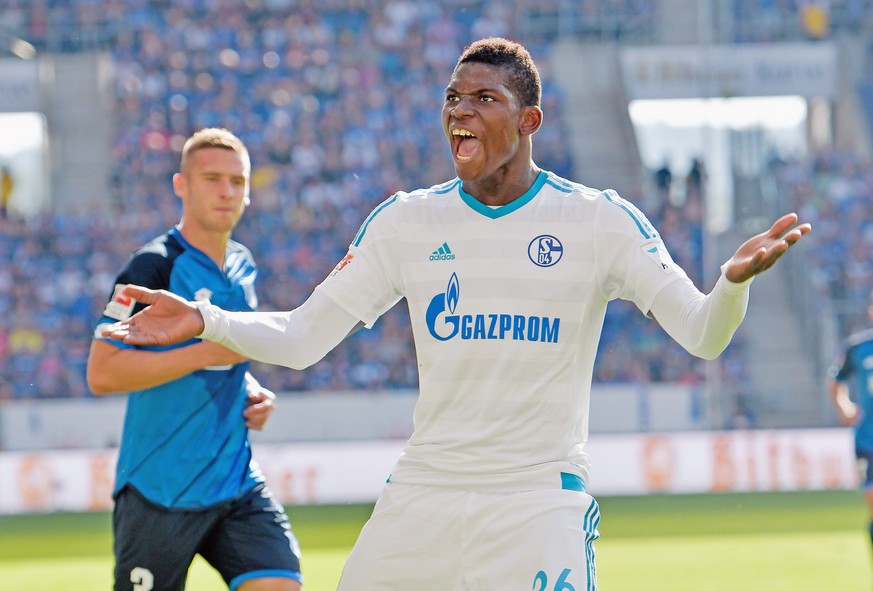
497	212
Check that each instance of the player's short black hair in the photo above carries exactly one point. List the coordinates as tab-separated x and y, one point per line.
524	79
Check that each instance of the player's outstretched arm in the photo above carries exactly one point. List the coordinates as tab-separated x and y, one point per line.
760	252
167	319
704	325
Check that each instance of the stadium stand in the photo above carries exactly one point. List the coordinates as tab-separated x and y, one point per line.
337	100
832	189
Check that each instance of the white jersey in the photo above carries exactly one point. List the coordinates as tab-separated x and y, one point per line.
507	306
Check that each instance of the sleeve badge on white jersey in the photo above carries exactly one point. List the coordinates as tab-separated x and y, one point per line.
121	305
657	253
346	260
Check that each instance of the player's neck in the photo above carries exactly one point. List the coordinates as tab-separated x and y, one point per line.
212	244
502	187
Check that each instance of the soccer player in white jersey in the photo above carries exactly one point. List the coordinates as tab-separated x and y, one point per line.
507	271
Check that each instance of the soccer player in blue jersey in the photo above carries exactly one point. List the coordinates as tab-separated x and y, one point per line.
507	271
186	482
850	386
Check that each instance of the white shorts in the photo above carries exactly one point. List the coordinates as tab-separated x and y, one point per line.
438	539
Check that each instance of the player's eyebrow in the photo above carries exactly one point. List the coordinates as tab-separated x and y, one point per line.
450	89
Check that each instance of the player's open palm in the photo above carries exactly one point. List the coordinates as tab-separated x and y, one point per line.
760	252
167	319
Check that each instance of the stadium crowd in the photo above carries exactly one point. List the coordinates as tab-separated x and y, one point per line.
833	190
338	102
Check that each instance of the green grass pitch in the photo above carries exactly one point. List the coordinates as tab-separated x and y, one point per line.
799	541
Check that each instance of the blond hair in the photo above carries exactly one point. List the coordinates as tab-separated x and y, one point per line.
214	137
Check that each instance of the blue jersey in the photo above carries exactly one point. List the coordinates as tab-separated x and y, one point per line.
185	443
855	366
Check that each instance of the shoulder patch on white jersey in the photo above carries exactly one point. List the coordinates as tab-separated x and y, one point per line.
346	260
121	305
657	253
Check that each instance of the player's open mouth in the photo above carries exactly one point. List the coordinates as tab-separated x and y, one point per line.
465	144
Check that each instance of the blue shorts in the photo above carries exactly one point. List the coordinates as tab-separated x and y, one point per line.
865	467
244	538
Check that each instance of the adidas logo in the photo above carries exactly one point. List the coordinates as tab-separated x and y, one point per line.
443	253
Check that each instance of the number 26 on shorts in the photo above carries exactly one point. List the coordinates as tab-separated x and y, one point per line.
541	582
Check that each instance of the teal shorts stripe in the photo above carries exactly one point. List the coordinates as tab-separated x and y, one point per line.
572	482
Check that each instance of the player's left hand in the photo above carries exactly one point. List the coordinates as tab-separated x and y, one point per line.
260	404
760	252
166	319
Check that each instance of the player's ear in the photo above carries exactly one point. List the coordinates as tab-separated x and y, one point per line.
179	184
531	120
